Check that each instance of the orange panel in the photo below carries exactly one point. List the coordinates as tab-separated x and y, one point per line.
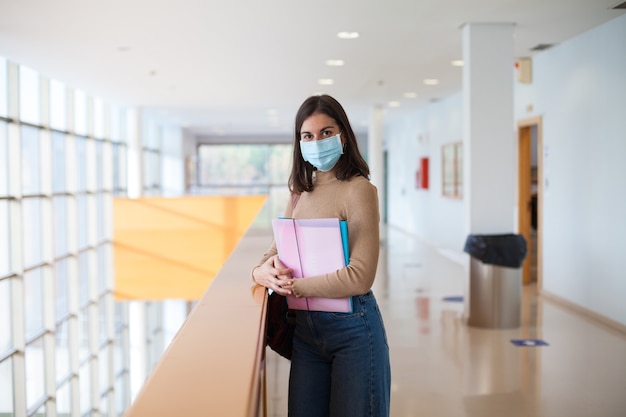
168	248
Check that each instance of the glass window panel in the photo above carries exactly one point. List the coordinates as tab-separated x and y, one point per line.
41	412
279	163
119	169
83	334
115	123
64	400
148	169
81	163
59	207
58	162
29	95
5	233
150	135
100	206
31	226
102	269
84	376
83	271
98	118
80	112
62	351
118	356
102	321
33	302
62	289
99	165
5	316
121	388
4	95
103	370
119	351
81	202
30	160
104	404
6	387
34	363
4	161
233	164
58	105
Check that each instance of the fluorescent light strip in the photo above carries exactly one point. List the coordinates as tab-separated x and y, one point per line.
348	35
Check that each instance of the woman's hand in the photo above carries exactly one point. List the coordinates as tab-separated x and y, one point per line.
274	275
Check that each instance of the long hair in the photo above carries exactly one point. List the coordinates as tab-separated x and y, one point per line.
350	164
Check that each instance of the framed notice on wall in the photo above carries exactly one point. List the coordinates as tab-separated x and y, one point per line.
452	170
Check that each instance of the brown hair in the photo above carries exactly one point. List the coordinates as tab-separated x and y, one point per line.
350	164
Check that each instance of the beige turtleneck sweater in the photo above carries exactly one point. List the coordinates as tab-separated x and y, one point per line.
354	200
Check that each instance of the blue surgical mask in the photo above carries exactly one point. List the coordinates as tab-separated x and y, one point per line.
322	154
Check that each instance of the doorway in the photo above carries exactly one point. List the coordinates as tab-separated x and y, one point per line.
530	198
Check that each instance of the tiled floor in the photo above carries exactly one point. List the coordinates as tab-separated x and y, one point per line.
443	368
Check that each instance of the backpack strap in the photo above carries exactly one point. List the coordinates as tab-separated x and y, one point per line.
294	200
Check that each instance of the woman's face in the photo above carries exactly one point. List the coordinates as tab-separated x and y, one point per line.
318	126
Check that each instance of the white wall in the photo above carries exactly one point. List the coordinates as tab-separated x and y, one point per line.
579	89
425	213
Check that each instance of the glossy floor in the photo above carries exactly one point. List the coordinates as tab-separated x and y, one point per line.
443	368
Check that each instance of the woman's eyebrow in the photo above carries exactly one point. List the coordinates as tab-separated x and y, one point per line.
321	130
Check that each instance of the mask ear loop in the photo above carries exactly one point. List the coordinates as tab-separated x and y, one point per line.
343	142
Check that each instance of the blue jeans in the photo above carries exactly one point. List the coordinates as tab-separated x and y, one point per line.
340	365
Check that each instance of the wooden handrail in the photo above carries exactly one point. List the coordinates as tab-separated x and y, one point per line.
214	366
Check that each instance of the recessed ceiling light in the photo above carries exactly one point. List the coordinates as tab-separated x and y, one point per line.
457	63
334	62
325	81
394	104
410	95
348	35
431	81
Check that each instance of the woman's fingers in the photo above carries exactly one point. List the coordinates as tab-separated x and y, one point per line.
274	275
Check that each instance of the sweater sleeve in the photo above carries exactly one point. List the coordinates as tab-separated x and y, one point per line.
357	278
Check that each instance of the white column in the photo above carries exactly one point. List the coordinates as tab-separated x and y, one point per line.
488	128
375	155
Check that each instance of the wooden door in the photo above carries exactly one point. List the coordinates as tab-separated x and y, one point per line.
530	192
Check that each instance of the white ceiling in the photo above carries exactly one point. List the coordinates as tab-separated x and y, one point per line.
219	66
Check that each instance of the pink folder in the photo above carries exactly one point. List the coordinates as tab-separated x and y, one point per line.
312	247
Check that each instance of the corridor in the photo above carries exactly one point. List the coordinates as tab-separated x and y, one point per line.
443	368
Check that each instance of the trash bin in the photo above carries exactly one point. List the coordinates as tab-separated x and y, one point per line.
495	290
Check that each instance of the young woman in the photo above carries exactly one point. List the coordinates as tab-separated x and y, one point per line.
340	363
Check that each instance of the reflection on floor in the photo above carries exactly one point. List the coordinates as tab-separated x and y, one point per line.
443	368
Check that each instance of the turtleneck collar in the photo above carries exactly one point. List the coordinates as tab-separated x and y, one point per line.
324	177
